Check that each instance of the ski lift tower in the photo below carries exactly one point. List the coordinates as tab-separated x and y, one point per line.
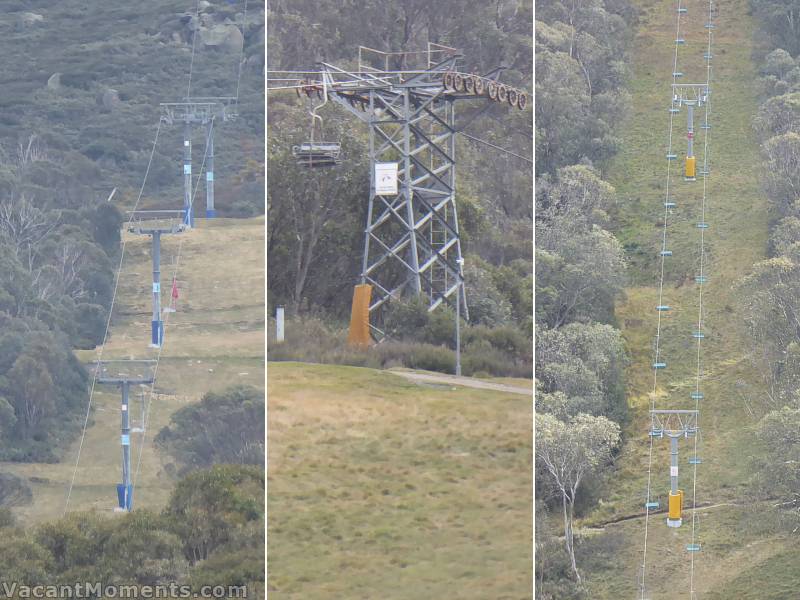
412	243
203	112
156	223
125	373
690	95
674	424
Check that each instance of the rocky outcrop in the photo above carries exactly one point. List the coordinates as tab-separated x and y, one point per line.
109	99
224	37
27	20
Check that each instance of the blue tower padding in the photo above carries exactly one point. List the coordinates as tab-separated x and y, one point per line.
125	500
157	333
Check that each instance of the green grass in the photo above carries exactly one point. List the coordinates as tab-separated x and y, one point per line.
216	339
739	214
382	488
766	580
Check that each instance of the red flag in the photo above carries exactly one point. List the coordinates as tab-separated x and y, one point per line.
174	289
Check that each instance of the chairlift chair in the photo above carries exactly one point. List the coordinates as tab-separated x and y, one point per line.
315	154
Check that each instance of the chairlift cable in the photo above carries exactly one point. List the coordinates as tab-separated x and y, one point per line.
701	280
108	321
466	135
657	362
164	338
241	58
194	42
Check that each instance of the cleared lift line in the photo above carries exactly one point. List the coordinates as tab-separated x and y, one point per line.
129	483
671	423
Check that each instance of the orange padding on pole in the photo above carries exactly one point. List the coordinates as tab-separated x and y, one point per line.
691	163
675	505
359	316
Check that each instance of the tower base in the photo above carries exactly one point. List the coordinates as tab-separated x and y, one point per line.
674	522
124	496
211	213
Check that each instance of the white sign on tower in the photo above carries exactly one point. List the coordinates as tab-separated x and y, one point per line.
386	179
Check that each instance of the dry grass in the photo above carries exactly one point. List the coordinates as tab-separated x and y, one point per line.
383	488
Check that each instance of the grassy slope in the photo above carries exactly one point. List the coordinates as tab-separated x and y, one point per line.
216	339
383	488
736	540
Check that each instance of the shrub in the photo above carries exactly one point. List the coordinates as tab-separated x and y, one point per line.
483	349
13	492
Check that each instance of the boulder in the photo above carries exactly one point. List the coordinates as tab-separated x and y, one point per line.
224	37
27	20
110	99
54	82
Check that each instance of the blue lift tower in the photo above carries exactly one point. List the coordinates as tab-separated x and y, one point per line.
156	227
203	112
125	373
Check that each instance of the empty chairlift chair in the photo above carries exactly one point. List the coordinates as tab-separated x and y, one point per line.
315	154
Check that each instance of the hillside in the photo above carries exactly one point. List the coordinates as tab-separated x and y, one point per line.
86	79
743	555
214	340
382	487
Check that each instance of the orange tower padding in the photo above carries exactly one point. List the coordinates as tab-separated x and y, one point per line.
675	505
359	316
691	163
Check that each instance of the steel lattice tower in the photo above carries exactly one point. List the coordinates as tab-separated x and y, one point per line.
411	240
